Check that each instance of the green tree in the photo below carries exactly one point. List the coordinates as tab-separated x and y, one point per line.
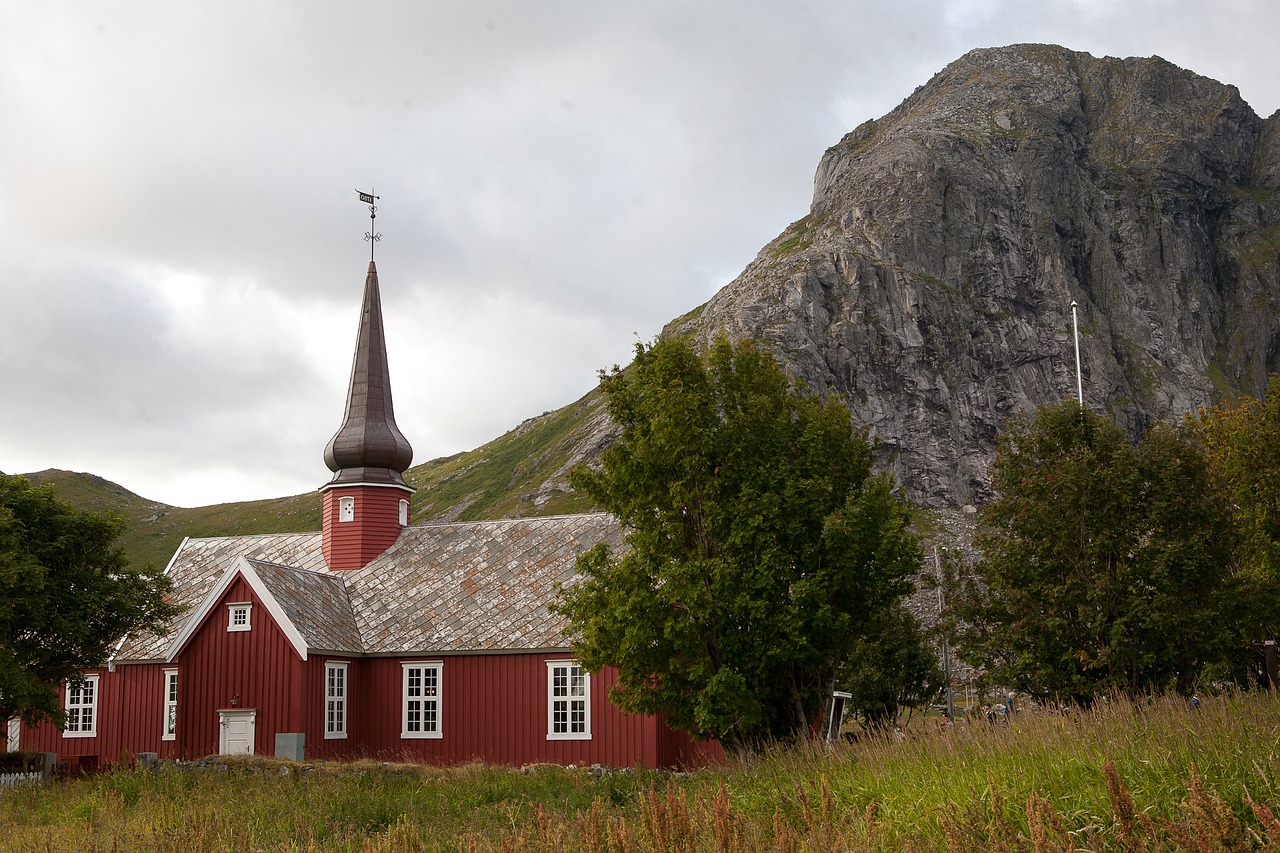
891	667
1104	566
760	546
1243	448
67	595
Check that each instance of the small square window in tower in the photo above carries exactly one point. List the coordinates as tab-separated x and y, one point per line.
346	509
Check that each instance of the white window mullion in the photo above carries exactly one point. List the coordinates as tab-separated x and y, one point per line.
170	705
568	701
239	616
82	708
335	700
422	700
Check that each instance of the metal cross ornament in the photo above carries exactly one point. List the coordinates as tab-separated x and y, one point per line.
371	236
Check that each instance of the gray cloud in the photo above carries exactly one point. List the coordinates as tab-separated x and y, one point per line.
180	253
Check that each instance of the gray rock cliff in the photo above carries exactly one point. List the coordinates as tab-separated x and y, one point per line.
932	280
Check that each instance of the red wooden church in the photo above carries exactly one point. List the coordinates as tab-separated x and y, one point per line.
374	638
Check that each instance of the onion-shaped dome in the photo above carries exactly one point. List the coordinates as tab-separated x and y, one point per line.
369	447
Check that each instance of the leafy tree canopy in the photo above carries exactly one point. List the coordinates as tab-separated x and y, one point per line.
760	546
893	666
1104	566
1242	444
67	595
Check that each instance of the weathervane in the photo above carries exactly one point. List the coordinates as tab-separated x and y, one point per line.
372	235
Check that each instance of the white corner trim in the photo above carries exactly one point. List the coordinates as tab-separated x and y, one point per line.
241	567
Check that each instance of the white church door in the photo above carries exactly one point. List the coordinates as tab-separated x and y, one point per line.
236	730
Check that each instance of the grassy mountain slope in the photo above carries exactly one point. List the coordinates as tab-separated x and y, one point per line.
155	529
522	473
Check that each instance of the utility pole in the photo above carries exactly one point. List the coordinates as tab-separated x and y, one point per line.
1075	331
1269	663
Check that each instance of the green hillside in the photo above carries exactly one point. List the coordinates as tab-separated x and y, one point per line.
507	478
502	479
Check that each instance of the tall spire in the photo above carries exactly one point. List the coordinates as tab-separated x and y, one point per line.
369	448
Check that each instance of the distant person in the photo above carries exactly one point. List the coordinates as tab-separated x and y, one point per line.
1008	705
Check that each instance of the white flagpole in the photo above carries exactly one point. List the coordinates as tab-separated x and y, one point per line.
1075	331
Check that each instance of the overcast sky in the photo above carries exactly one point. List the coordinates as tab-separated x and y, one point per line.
181	254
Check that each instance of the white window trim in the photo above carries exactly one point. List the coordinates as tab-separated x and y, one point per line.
232	608
346	508
585	734
405	666
404	513
339	701
90	681
170	719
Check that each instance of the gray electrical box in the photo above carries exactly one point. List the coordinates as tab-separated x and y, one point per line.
291	745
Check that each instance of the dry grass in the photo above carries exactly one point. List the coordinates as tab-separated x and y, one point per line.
1126	776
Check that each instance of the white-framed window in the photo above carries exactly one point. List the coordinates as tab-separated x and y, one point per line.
170	704
238	616
568	701
346	509
404	513
420	708
82	708
335	700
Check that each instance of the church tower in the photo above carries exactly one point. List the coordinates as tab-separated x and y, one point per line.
367	502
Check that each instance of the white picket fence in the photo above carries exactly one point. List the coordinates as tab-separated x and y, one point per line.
10	779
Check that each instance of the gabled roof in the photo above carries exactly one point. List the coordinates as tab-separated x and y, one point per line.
310	608
466	586
197	566
316	605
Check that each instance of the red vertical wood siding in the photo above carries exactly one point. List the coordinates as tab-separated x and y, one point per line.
312	709
130	719
494	708
352	544
258	669
677	749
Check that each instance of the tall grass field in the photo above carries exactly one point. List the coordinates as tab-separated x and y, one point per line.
1132	776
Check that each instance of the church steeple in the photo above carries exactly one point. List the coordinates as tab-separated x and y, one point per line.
366	504
369	448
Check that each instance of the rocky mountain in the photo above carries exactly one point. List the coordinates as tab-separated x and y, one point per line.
931	283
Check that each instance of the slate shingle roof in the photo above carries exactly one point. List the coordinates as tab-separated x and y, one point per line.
198	565
463	586
479	586
316	603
